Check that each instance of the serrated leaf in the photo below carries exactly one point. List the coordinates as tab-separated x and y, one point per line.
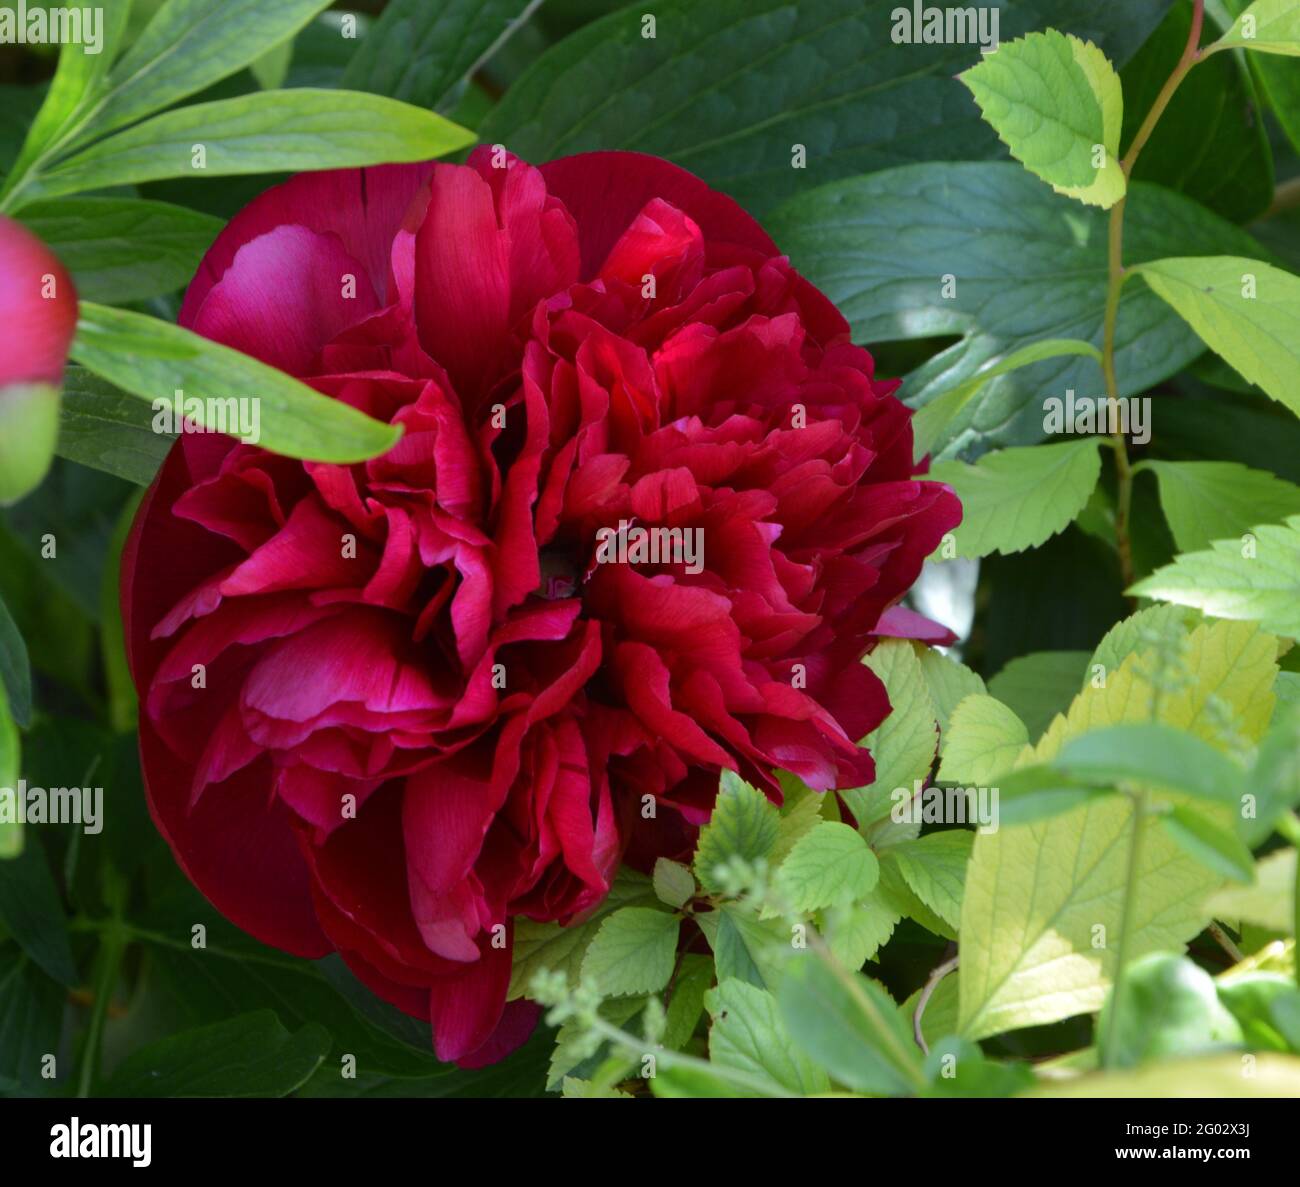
549	947
904	744
633	952
1246	311
830	864
934	866
1034	894
1268	902
570	1051
898	896
1267	26
745	947
1139	633
895	251
857	931
748	1035
151	359
674	884
1056	103
800	813
949	682
1263	584
744	824
1017	498
1039	686
983	739
1207	501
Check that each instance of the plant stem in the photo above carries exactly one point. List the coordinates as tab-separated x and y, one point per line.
1115	285
932	983
1289	827
114	937
1141	807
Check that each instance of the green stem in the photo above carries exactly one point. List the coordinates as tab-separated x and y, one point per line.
1109	1054
1289	827
114	937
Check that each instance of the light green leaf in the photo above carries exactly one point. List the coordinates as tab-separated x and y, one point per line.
895	251
748	1035
929	422
272	68
11	834
266	132
1275	778
899	897
850	1026
1152	753
949	682
1039	686
830	864
1017	498
674	884
935	868
123	249
418	52
1140	632
1056	103
571	1040
107	429
857	931
1244	310
744	824
1267	26
152	359
751	949
29	426
904	744
1213	845
1207	501
252	1055
983	739
189	45
1035	894
800	812
1268	902
1259	579
1031	794
549	947
1215	1077
633	952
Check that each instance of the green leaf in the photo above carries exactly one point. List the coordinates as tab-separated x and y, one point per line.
851	1027
418	52
1275	777
633	952
123	249
1017	498
1037	687
895	252
1056	103
674	884
929	422
1152	753
32	911
15	670
31	1017
934	866
572	1047
1207	501
1268	902
1036	793
748	1035
1267	26
831	864
904	744
251	1055
984	738
1217	1077
107	429
744	824
1214	846
949	683
1278	79
1169	1009
1141	632
189	45
265	132
751	949
29	426
272	68
857	931
1258	580
686	1005
1244	310
550	947
1256	1000
726	88
153	359
1035	895
11	831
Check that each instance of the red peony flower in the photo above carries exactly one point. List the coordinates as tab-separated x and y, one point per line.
429	705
